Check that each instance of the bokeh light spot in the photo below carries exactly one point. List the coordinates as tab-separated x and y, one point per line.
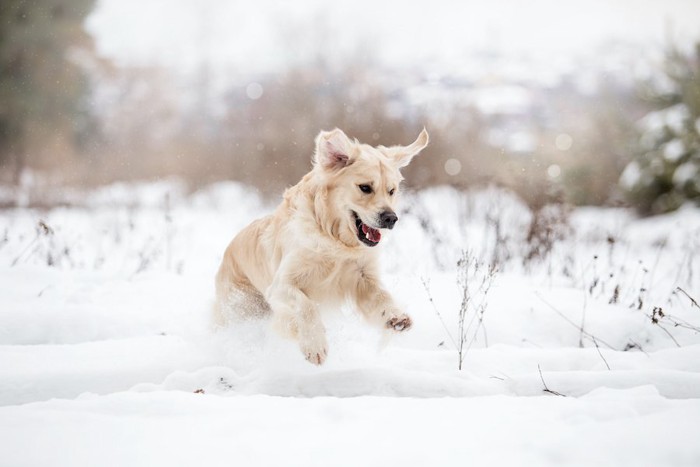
254	91
453	167
553	171
564	142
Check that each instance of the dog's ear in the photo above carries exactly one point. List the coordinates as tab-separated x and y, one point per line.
402	155
333	150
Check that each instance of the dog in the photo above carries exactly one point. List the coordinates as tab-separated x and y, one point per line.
319	245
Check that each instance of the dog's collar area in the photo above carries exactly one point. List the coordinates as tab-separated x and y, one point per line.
365	233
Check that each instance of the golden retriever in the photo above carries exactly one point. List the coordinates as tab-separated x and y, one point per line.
318	247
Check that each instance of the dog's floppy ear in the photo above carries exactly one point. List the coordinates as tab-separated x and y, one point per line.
402	155
333	150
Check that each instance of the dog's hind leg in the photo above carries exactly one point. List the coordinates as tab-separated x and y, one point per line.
236	298
239	301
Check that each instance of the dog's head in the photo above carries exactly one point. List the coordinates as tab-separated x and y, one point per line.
361	184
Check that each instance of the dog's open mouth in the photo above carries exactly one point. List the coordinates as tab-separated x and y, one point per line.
365	233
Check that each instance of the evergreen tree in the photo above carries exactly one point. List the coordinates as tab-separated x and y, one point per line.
666	171
42	86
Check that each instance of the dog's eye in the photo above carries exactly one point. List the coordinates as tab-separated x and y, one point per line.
365	189
391	192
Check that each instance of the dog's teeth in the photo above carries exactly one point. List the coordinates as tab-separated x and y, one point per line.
372	234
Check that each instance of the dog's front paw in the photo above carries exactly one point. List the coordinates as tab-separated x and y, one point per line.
315	349
399	323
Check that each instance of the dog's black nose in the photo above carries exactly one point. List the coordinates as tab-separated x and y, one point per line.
387	219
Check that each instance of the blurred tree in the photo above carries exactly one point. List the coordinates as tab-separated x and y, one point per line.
666	171
43	107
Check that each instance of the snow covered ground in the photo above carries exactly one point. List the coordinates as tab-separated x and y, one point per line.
107	356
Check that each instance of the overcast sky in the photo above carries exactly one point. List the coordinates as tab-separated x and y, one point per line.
261	35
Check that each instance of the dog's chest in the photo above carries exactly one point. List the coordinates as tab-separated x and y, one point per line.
331	278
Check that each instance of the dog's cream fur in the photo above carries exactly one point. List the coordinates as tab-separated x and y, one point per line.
308	252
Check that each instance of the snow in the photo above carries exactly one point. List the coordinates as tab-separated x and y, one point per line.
631	175
673	118
686	173
674	150
107	356
174	428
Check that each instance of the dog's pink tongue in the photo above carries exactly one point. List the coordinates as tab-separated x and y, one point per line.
373	234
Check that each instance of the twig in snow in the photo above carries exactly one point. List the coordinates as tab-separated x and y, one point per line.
681	323
169	231
585	333
527	341
41	292
692	300
661	244
42	229
597	347
4	241
426	286
669	334
470	268
656	315
16	260
634	345
583	321
546	389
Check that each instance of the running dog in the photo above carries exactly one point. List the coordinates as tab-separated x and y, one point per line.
318	247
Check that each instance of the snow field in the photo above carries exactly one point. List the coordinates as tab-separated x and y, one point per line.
107	356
